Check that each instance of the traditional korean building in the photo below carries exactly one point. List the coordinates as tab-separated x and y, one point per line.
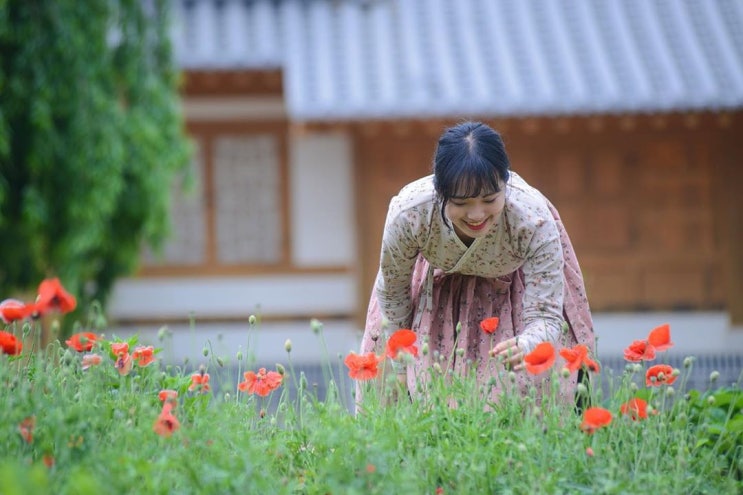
309	115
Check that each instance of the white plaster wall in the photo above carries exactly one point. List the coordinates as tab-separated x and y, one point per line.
322	210
214	297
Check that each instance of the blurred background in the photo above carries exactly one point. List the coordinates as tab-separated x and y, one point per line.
307	116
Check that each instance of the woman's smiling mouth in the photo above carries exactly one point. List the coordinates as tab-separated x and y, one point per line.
478	226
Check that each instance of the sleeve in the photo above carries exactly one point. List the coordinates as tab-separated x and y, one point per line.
397	261
544	287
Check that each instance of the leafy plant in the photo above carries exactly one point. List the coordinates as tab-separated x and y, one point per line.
717	417
91	136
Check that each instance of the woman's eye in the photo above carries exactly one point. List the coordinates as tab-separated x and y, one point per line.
489	200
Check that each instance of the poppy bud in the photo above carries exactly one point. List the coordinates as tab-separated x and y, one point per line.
288	345
205	351
589	451
424	349
239	355
100	322
714	376
437	368
163	333
512	376
280	369
302	381
316	326
582	389
220	362
670	392
459	326
460	352
227	397
675	372
565	373
252	320
565	327
633	386
711	400
688	361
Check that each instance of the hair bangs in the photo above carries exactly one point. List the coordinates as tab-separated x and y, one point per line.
475	179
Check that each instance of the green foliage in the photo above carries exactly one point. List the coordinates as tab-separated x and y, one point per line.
91	136
717	417
97	426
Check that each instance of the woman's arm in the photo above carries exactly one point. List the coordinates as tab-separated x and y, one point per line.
544	287
397	260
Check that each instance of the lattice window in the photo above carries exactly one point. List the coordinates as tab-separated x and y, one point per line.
247	199
186	244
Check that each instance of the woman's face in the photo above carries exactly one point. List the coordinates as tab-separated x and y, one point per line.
473	217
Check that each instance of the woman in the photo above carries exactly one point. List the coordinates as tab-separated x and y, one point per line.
471	242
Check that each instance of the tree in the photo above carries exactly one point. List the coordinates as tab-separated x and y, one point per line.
91	136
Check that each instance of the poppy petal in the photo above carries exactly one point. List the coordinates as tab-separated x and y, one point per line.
660	337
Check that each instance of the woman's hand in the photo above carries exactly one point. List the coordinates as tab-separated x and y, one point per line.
509	353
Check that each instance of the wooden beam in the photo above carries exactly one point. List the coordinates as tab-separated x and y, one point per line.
729	212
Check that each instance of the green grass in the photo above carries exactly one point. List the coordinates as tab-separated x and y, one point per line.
97	426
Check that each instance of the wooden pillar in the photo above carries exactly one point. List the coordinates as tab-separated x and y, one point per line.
729	216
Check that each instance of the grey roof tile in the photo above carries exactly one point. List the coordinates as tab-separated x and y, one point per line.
356	59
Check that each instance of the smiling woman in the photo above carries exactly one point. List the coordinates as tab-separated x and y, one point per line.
469	243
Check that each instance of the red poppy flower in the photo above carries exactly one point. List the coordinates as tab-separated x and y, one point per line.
595	418
13	310
200	382
9	344
402	340
167	394
577	357
119	348
26	429
660	337
639	350
53	296
123	363
658	375
82	342
362	366
261	383
540	359
91	360
143	355
166	423
488	325
636	408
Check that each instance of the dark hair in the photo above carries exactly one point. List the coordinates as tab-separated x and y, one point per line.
470	159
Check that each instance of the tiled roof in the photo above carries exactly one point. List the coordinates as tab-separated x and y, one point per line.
360	59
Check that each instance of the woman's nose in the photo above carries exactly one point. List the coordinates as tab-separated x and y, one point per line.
475	214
